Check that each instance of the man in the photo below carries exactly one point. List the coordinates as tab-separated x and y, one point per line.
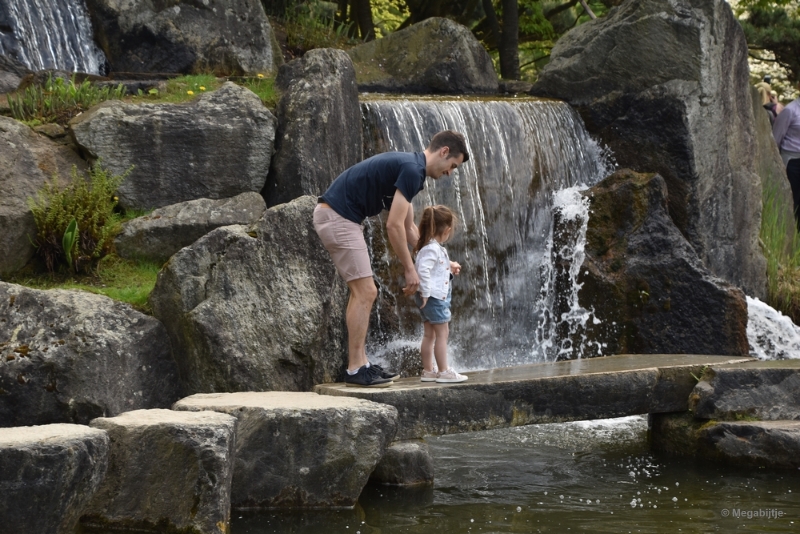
386	181
786	132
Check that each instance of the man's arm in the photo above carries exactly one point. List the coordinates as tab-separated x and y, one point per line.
396	227
412	232
781	125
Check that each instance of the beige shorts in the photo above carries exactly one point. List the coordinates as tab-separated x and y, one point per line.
344	241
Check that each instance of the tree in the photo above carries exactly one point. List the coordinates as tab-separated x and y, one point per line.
773	26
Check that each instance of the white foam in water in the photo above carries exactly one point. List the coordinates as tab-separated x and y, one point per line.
772	335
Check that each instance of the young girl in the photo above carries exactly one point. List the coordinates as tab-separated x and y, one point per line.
435	272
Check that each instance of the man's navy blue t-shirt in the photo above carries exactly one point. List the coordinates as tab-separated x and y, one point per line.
367	188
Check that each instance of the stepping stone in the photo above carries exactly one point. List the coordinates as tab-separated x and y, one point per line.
757	443
301	450
48	474
168	470
406	463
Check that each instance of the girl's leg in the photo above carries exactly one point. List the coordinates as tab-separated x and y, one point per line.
441	333
426	350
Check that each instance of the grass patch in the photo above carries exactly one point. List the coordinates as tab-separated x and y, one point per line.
187	88
129	281
59	100
783	256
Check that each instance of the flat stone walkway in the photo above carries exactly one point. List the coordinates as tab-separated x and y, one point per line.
590	388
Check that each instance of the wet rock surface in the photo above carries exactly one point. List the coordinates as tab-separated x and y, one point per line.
319	125
256	309
71	356
406	463
436	55
216	146
301	450
163	232
168	471
48	474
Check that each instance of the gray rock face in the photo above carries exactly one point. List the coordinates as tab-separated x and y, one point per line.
301	450
644	281
762	443
27	161
768	391
406	463
165	231
167	469
217	146
665	85
11	73
436	55
48	474
70	356
220	36
319	125
255	313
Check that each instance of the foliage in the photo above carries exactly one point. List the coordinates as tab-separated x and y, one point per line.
129	281
59	100
264	87
87	200
310	25
772	26
783	256
388	15
182	88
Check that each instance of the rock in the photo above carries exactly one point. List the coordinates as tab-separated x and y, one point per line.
406	463
48	474
217	146
27	161
765	390
11	73
762	443
319	125
220	36
255	313
71	356
647	289
165	231
301	450
665	85
436	55
674	433
167	471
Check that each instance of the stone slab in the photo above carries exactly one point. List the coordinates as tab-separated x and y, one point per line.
301	450
168	471
759	443
48	474
590	388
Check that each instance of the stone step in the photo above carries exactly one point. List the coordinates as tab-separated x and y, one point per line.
590	388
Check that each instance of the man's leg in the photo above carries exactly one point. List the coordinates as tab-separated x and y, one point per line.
793	173
362	295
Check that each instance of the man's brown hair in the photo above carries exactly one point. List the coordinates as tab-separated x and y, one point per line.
452	140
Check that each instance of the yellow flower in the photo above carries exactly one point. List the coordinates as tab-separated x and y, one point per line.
202	88
189	92
260	75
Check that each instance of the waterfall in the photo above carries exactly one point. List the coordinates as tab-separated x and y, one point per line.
522	152
49	34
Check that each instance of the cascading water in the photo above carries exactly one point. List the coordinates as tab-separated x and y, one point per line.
522	152
49	34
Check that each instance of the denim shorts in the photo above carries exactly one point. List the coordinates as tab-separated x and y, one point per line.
436	311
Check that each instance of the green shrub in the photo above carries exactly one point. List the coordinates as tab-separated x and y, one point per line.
264	87
310	26
89	201
59	100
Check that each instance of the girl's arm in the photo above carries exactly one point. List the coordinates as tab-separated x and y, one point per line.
455	268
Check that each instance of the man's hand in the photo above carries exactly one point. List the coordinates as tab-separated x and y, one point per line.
455	268
412	282
424	302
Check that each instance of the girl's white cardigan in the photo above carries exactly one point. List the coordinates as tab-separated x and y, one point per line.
433	269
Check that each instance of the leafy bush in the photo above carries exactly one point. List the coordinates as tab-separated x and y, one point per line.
59	100
77	222
311	25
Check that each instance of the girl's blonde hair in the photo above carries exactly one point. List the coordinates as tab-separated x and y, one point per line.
435	220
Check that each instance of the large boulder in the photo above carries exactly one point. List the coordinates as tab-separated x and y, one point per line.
220	36
643	282
48	474
27	161
166	469
436	55
255	309
665	85
301	450
11	73
319	125
217	146
165	231
71	356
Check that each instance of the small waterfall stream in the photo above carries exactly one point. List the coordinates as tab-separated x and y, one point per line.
49	34
522	152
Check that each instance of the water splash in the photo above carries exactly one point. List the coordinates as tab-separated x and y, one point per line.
50	34
772	335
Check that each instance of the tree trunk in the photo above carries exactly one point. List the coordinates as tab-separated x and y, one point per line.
509	41
493	34
361	13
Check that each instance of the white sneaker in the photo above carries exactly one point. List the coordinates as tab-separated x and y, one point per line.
429	376
450	377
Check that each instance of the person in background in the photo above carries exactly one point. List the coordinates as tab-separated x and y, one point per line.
769	99
387	181
786	132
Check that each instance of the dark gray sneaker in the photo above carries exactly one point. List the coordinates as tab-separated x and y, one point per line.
366	377
384	373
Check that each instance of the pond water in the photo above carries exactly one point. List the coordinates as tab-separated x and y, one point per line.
597	476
